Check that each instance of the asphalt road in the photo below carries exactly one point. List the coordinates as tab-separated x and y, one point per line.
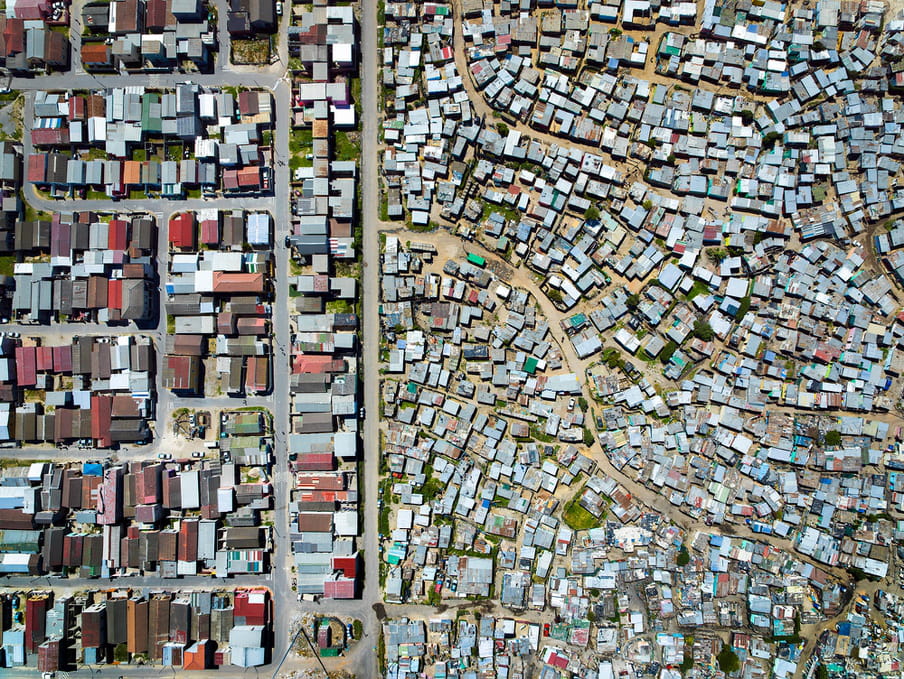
370	266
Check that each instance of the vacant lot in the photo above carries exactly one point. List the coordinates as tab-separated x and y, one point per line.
251	51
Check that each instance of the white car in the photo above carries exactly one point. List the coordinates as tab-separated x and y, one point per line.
571	404
279	9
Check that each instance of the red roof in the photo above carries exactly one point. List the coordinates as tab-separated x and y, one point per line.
77	104
251	605
47	136
339	589
62	359
25	367
225	282
117	236
210	232
347	564
315	364
114	294
101	414
44	359
37	167
182	231
249	176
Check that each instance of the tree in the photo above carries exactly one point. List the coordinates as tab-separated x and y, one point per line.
502	128
770	139
554	295
592	213
743	308
667	351
703	331
648	205
746	117
832	438
588	437
822	672
684	557
633	301
728	660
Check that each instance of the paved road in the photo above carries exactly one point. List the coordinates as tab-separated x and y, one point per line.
370	264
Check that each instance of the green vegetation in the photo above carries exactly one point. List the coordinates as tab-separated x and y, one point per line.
728	660
698	288
633	301
684	557
667	351
301	143
555	295
358	628
582	403
822	672
345	148
687	664
7	262
703	331
386	509
592	212
432	488
588	437
121	653
832	438
612	358
716	254
251	52
502	129
647	205
743	308
859	574
770	139
747	117
170	324
579	518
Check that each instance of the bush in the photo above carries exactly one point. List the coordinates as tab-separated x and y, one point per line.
121	653
770	139
832	438
502	129
667	351
728	660
703	331
358	629
554	295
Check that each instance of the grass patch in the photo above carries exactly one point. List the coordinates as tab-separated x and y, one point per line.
94	194
7	262
339	306
193	193
170	324
345	148
301	143
699	288
579	518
